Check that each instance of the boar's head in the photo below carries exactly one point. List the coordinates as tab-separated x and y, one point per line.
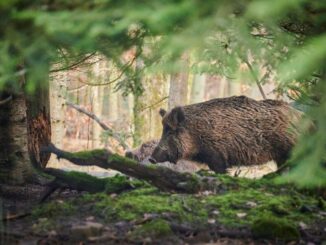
176	141
144	151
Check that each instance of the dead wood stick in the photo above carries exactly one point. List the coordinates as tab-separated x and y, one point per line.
154	104
6	100
104	126
10	217
52	187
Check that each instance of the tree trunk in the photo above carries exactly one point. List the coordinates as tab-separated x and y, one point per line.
38	124
24	127
179	87
138	104
198	88
15	165
138	120
58	90
97	102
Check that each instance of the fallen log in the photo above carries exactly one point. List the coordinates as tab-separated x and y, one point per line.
85	182
161	177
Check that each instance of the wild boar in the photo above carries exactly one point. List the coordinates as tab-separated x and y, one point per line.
228	132
142	153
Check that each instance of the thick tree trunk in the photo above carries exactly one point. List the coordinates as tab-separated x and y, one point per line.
24	128
15	165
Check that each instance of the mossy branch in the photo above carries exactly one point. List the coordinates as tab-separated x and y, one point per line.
160	177
85	182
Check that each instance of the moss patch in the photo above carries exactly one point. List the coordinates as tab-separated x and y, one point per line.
114	184
275	228
54	209
89	154
118	158
134	204
156	228
239	205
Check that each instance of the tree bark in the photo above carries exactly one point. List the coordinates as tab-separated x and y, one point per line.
137	105
15	165
24	127
38	125
58	90
198	88
179	87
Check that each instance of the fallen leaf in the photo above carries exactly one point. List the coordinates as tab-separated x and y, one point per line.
211	221
251	204
241	215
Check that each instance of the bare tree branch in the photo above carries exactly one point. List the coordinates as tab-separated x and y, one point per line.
126	66
6	100
101	123
154	104
77	88
256	78
74	64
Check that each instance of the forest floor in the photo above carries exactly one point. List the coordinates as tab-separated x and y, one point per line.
244	211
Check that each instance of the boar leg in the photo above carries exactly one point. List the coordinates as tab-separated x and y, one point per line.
215	161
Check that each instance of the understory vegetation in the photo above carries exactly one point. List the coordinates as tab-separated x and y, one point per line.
249	208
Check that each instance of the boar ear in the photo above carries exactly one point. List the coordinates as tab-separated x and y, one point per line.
162	112
177	116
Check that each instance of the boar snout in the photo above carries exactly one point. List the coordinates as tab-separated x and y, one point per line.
162	155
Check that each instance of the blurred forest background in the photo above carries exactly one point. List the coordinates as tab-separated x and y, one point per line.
92	86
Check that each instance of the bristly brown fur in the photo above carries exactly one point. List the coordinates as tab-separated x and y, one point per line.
229	132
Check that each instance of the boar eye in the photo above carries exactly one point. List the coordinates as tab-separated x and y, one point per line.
167	129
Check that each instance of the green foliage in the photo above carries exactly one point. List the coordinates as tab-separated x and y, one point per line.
309	157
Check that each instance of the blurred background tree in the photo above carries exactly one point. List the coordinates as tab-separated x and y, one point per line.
151	41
